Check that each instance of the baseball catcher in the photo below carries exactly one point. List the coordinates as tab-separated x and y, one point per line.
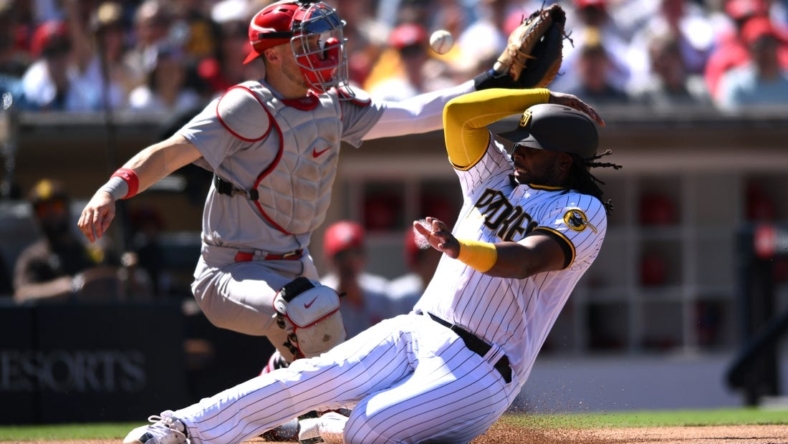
533	53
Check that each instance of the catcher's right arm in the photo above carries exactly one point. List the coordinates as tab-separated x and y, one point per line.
533	53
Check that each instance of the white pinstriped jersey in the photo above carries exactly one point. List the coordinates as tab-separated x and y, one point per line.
514	315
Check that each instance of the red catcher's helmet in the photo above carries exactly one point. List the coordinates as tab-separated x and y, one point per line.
342	235
314	31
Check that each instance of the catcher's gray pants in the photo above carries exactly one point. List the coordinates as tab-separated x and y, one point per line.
239	296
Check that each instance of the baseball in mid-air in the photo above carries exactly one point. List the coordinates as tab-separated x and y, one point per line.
441	41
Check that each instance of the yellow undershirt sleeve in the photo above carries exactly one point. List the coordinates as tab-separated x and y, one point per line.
465	120
480	256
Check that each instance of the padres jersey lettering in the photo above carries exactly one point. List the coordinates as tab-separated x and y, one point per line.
501	216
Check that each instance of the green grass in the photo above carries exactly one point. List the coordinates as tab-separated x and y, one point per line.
66	432
666	418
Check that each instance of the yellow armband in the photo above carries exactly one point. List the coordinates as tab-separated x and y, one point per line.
480	256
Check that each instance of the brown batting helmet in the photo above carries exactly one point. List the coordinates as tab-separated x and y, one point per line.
555	128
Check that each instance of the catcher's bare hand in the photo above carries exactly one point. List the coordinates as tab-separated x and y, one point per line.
97	215
573	101
438	235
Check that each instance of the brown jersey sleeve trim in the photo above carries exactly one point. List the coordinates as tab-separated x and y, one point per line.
563	241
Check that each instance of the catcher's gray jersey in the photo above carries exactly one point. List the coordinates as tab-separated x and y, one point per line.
286	150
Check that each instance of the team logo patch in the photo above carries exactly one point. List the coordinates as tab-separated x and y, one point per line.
576	220
525	118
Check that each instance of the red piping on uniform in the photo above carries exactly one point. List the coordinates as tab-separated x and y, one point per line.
313	323
268	171
360	102
307	103
218	116
295	330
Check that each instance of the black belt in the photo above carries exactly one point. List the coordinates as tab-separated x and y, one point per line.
243	256
227	188
478	346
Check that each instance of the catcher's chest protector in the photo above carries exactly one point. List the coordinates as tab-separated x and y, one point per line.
295	191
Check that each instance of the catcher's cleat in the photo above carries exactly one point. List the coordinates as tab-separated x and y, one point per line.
164	430
328	428
275	362
287	432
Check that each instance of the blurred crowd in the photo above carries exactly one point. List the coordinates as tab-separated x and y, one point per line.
59	266
174	56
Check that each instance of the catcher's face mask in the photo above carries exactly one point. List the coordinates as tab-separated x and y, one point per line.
315	34
319	47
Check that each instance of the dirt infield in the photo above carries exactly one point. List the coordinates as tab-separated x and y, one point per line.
507	434
502	433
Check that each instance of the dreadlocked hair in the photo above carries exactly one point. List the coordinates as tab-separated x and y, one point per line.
581	179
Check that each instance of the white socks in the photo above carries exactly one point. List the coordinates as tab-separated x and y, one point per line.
329	429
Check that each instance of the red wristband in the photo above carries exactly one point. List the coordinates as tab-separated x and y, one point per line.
131	179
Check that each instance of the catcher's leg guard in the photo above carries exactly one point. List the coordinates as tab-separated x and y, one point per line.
309	313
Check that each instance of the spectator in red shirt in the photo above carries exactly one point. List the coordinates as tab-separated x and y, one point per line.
731	50
47	82
761	81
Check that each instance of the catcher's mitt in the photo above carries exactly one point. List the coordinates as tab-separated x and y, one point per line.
533	53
